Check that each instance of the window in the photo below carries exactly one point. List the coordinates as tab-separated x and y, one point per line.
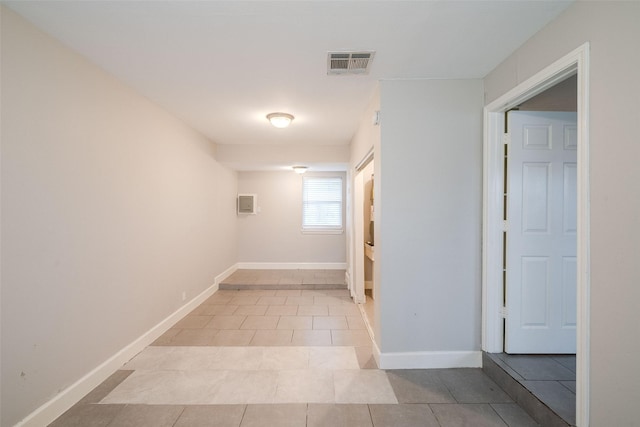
322	204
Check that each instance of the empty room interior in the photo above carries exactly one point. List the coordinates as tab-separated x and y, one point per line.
319	213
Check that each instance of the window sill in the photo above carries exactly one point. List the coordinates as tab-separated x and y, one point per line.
321	231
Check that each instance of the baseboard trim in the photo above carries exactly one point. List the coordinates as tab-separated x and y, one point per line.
228	272
429	359
60	403
292	265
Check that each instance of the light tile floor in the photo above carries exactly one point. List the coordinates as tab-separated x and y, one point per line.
285	279
284	358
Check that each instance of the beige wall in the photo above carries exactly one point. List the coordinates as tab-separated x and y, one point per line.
274	234
613	31
428	216
111	209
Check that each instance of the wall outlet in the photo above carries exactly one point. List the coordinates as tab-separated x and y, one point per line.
184	296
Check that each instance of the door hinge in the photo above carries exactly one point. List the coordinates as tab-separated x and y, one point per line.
505	225
503	312
506	138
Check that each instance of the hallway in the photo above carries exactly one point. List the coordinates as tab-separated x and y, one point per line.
284	358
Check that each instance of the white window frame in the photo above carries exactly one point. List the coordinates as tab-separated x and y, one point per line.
322	229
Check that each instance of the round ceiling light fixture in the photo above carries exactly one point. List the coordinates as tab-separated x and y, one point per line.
299	169
280	120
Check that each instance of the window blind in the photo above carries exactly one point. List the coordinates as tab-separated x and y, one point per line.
322	203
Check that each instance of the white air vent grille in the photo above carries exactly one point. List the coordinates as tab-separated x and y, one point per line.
349	62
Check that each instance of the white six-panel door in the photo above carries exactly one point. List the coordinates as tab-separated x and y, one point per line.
541	233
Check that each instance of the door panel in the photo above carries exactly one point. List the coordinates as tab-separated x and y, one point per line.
541	235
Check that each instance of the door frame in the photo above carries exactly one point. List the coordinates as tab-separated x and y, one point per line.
576	62
357	233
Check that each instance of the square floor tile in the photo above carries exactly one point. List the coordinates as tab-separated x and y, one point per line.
211	416
513	415
260	322
556	396
419	386
168	388
471	385
189	337
282	415
282	310
233	337
272	300
330	322
344	310
191	321
313	310
350	337
288	292
89	415
275	337
284	358
144	415
356	322
235	358
165	339
226	322
402	416
247	387
329	301
251	310
336	415
539	368
365	357
212	310
305	385
469	414
363	386
106	387
245	300
299	300
311	338
295	322
333	358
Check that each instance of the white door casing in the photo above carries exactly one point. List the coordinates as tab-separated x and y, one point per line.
541	233
358	243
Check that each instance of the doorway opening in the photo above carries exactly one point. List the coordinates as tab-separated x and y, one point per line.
493	310
363	245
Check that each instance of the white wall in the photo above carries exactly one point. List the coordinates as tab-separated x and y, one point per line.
613	32
251	157
111	208
274	235
367	137
428	217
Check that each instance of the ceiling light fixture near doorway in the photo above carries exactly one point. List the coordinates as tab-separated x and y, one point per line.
280	120
299	169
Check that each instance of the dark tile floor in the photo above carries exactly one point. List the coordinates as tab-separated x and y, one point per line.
550	378
309	321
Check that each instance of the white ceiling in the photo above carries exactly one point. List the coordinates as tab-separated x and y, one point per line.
223	65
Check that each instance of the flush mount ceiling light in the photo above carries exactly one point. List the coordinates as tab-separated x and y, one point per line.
299	169
280	120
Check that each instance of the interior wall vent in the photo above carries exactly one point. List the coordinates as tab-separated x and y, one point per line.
349	62
247	204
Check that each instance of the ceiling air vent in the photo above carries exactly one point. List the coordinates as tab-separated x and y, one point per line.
349	62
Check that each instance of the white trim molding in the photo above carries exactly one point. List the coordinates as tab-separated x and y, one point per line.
429	359
575	62
55	407
292	265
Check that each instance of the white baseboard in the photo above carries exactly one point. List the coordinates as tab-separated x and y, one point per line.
429	359
228	272
292	265
55	407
